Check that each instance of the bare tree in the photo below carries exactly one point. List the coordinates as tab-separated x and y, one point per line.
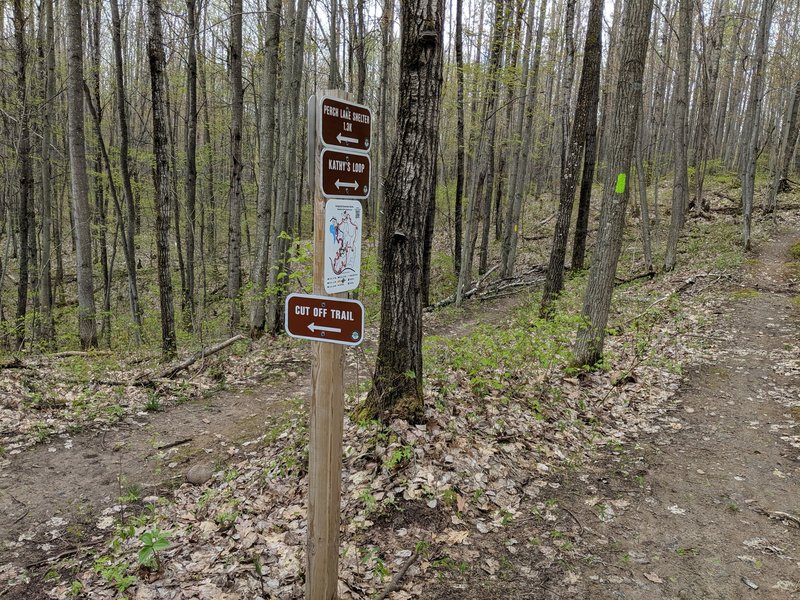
751	128
269	83
588	93
235	188
680	187
79	177
780	178
124	170
623	127
161	181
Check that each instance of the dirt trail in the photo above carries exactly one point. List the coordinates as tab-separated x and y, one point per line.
62	484
713	507
52	495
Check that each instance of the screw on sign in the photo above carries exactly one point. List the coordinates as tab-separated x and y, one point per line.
324	319
345	124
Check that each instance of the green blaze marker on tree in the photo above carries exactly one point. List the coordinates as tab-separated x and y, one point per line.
621	183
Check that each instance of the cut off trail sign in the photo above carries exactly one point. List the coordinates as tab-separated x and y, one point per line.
324	319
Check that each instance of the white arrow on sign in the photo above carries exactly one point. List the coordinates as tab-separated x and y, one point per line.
314	327
346	184
344	138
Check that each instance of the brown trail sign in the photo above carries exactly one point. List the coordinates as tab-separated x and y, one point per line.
345	124
344	174
324	319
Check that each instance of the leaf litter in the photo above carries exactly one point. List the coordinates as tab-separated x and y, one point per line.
481	459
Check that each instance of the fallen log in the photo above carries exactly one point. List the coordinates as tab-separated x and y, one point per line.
172	371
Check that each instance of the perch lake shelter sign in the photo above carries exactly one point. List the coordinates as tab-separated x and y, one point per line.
339	141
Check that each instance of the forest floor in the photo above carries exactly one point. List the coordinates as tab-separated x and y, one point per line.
671	473
707	506
58	497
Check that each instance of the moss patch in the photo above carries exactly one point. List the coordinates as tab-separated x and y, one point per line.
795	251
745	294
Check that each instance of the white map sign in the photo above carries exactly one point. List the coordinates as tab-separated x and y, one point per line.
343	220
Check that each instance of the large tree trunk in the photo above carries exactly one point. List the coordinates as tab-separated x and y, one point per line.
269	84
397	381
680	187
79	177
587	94
161	182
623	127
751	129
235	189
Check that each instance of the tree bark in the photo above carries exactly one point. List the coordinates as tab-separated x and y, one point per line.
235	188
79	177
587	94
459	209
397	380
269	83
751	129
680	186
508	249
161	181
25	173
623	127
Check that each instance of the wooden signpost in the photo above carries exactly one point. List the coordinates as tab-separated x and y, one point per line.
340	135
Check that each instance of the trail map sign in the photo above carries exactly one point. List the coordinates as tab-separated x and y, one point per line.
344	174
345	124
342	245
324	319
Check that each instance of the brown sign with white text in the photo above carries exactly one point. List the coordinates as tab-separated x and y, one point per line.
324	319
345	124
